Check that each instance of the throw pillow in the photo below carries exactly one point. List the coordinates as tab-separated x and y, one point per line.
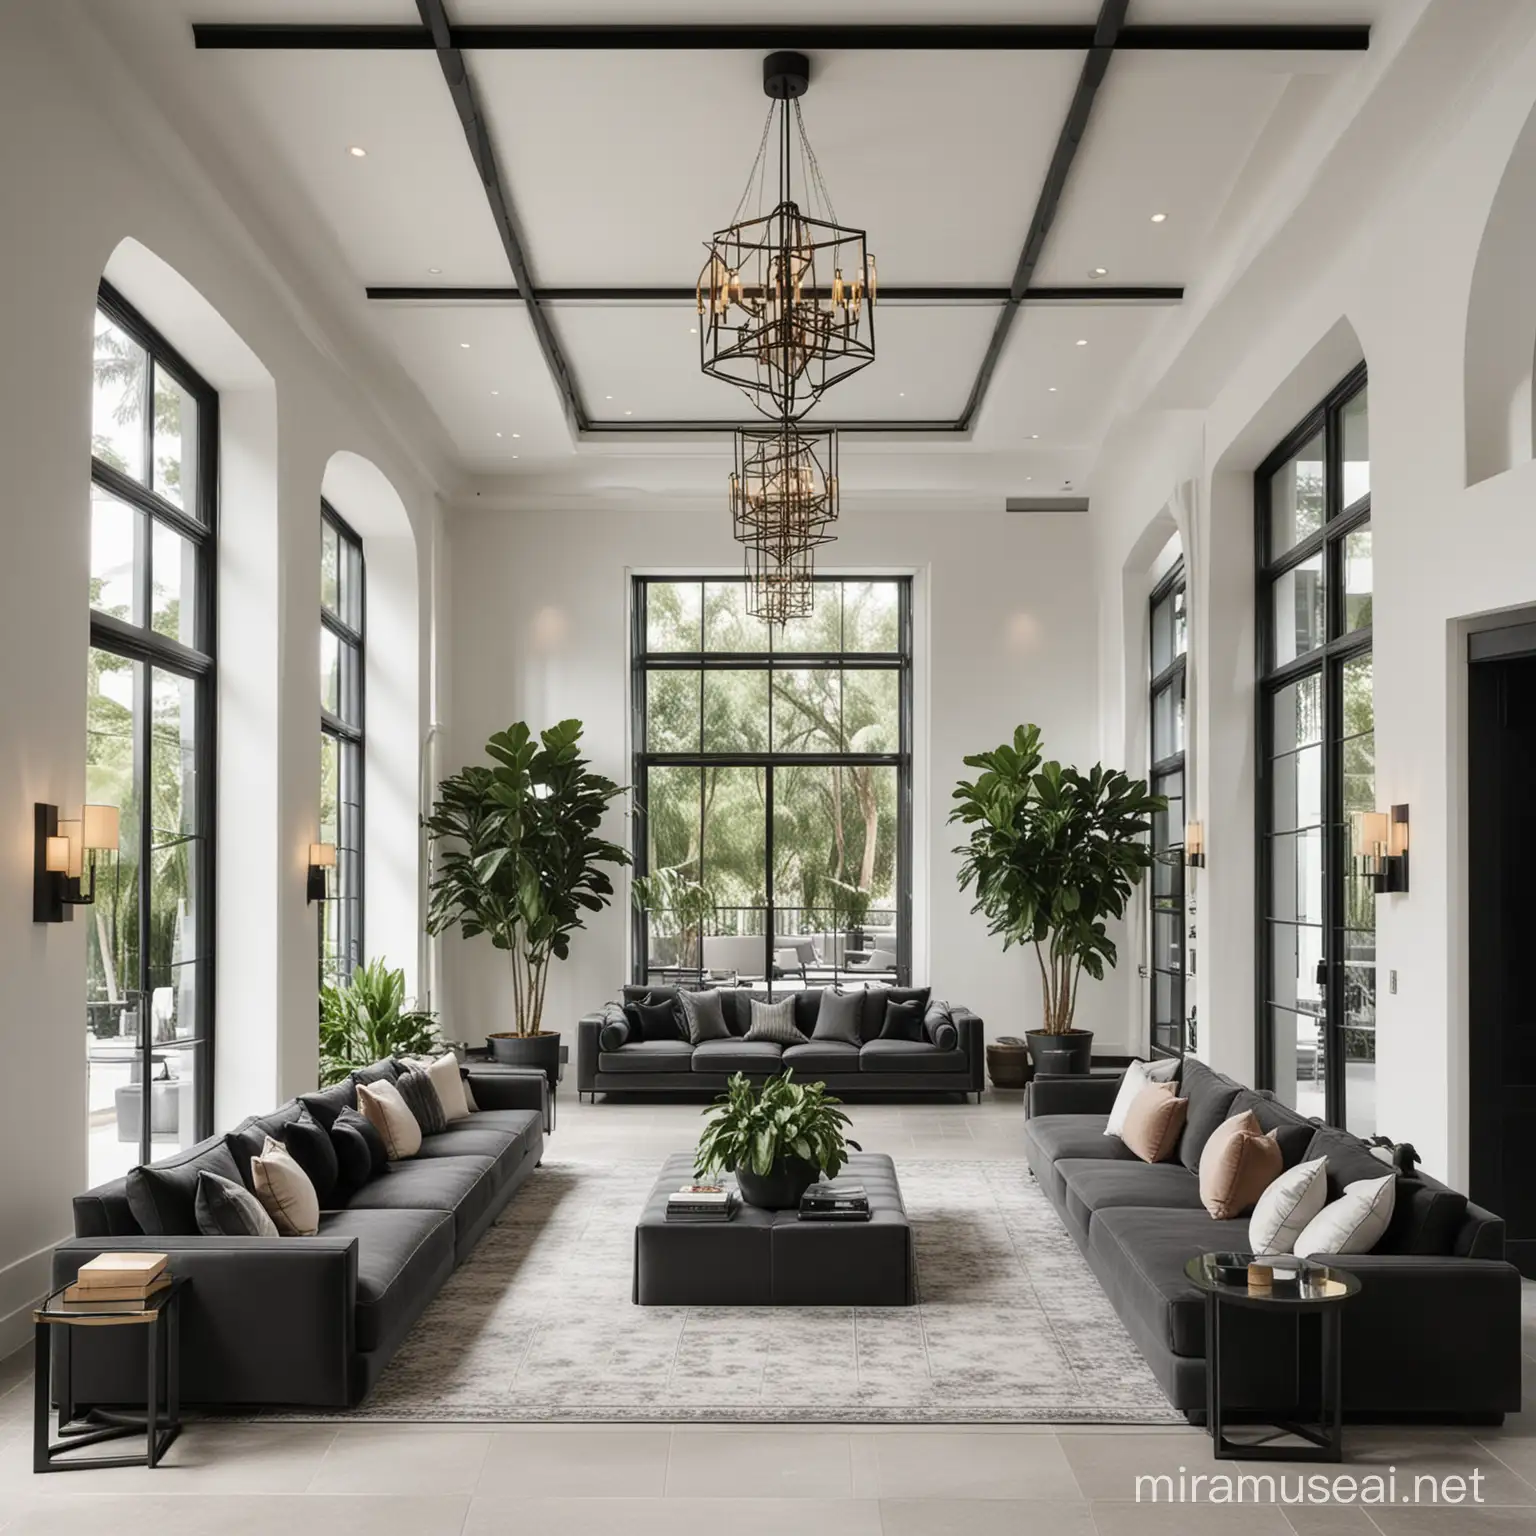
614	1032
838	1016
163	1196
1155	1123
1237	1164
385	1071
875	999
1285	1208
1136	1077
327	1103
388	1114
469	1097
704	1016
654	1020
444	1075
775	1022
1210	1098
1354	1223
228	1209
311	1148
360	1153
940	1027
904	1021
1349	1159
415	1087
285	1191
1292	1132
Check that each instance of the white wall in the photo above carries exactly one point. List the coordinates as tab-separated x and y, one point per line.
99	166
1006	634
1390	280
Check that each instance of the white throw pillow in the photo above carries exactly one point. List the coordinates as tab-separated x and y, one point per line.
1137	1076
285	1191
390	1116
1354	1223
1285	1208
443	1073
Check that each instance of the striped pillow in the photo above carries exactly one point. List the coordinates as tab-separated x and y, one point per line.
423	1100
775	1022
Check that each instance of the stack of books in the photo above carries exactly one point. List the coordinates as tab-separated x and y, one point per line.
702	1203
834	1200
120	1282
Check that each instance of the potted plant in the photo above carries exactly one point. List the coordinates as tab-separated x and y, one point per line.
850	907
778	1141
672	900
521	861
363	1019
1053	854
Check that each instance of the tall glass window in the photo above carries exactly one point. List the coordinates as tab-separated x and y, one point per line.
773	785
149	743
1170	1032
1317	763
343	621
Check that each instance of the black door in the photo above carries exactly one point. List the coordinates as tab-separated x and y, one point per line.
1501	747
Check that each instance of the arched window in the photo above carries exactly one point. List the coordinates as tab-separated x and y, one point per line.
343	620
150	741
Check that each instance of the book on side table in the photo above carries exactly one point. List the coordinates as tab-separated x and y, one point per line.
835	1200
120	1282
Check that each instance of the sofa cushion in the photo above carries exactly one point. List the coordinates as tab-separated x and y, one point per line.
1140	1254
226	1208
1063	1136
250	1136
311	1147
1239	1163
505	1147
774	1023
1292	1131
656	1019
1155	1122
1349	1159
838	1018
904	1021
326	1103
909	1056
939	1026
403	1256
876	998
647	1056
614	1032
285	1191
360	1153
423	1101
1210	1097
705	1016
738	1056
163	1196
463	1186
1096	1183
381	1071
822	1056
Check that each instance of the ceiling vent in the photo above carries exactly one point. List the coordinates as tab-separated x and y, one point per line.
1046	504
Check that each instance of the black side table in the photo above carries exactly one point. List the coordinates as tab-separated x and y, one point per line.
161	1321
1321	1289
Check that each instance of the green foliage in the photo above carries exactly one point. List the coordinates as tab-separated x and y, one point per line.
676	905
365	1019
1053	854
849	903
753	1130
520	858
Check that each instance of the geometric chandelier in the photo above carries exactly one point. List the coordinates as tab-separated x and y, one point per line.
786	306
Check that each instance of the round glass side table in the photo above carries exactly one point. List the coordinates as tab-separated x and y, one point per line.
1318	1288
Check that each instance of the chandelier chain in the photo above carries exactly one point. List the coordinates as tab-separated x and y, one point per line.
759	166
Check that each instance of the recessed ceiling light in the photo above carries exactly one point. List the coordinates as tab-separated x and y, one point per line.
901	394
1159	218
1099	272
1051	389
1029	477
435	271
607	397
629	413
693	330
517	434
498	434
465	345
356	151
1082	341
1034	437
495	391
514	455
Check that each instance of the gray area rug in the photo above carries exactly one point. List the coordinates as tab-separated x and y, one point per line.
538	1325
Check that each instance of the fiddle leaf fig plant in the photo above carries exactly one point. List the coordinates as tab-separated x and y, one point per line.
753	1130
520	857
1053	854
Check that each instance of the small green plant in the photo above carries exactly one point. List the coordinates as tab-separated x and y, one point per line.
753	1130
677	907
365	1019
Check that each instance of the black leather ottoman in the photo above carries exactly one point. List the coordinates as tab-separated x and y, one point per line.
772	1258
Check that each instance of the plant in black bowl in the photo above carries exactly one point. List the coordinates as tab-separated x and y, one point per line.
778	1140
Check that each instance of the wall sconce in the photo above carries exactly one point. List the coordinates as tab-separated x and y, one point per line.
322	856
1194	844
1380	846
65	850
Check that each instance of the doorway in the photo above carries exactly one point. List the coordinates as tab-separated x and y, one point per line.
1501	910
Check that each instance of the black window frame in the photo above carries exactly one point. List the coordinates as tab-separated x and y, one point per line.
140	643
1340	646
1171	679
644	661
350	737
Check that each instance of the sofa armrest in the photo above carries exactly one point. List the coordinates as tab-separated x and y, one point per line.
264	1319
588	1028
1060	1094
1423	1322
500	1087
973	1041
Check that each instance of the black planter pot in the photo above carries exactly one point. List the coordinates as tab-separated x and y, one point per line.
781	1188
1065	1055
541	1051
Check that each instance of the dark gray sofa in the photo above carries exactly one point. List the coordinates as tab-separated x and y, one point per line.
1434	1334
931	1065
310	1321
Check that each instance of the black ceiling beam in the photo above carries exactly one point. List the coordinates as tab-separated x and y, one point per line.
1098	293
1106	37
882	428
477	134
1203	37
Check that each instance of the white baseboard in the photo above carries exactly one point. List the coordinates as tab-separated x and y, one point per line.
27	1279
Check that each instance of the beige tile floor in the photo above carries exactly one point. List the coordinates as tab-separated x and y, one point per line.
441	1480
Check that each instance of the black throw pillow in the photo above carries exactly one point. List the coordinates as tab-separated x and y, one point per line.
312	1149
654	1021
360	1153
838	1017
326	1103
904	1021
422	1101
